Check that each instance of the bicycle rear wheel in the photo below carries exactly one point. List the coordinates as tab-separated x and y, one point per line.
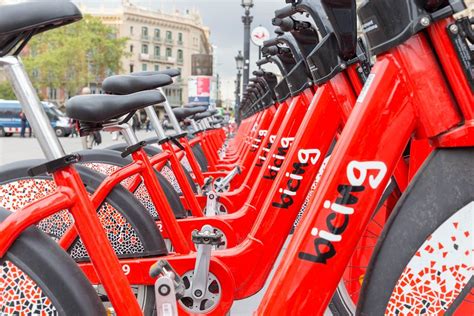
38	278
129	227
423	263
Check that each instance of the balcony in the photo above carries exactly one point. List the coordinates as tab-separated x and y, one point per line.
144	57
157	39
155	58
180	61
169	41
180	43
170	60
145	38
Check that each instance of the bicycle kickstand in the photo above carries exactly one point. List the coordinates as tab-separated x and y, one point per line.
211	203
168	288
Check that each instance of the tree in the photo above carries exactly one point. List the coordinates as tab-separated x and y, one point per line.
6	91
73	56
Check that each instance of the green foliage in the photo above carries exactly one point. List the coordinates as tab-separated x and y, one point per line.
6	91
73	56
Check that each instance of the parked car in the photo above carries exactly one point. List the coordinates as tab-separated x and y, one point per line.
10	122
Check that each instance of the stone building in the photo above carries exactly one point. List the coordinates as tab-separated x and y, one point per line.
158	40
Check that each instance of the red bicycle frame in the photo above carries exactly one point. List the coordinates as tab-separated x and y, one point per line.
406	95
71	195
273	223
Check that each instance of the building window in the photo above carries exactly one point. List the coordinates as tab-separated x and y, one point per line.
169	36
144	67
144	32
169	52
157	67
180	71
131	30
131	48
144	49
131	68
157	34
52	93
180	38
180	55
157	51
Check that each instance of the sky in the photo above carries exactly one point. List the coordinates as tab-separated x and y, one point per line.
223	17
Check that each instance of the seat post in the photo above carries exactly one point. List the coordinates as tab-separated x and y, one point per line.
32	107
171	115
155	122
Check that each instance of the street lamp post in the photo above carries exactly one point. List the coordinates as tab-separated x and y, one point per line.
239	62
247	20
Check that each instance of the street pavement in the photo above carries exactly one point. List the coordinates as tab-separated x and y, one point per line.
16	148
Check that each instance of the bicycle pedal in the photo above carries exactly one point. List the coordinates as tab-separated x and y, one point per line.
207	237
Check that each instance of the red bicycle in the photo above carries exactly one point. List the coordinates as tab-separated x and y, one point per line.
418	86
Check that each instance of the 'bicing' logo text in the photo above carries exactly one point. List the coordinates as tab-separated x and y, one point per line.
278	158
305	157
342	208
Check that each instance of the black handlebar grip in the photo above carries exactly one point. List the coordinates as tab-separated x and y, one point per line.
262	62
287	11
271	42
270	50
285	24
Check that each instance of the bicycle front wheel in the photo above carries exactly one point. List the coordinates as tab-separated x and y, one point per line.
423	264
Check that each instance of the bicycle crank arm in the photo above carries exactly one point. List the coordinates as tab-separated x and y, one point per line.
204	240
222	184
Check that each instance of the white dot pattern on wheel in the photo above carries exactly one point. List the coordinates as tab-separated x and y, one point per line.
186	164
439	271
17	194
140	193
20	295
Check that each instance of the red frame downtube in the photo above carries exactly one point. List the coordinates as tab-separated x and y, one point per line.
390	110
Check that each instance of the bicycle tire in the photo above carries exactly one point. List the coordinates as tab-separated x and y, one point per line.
200	157
51	282
140	224
422	240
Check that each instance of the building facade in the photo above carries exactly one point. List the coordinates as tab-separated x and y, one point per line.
158	41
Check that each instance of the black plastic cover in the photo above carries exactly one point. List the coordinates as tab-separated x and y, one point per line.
323	63
297	79
282	92
342	15
388	23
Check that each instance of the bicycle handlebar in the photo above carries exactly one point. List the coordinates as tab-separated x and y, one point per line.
287	11
263	61
270	50
271	42
286	24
